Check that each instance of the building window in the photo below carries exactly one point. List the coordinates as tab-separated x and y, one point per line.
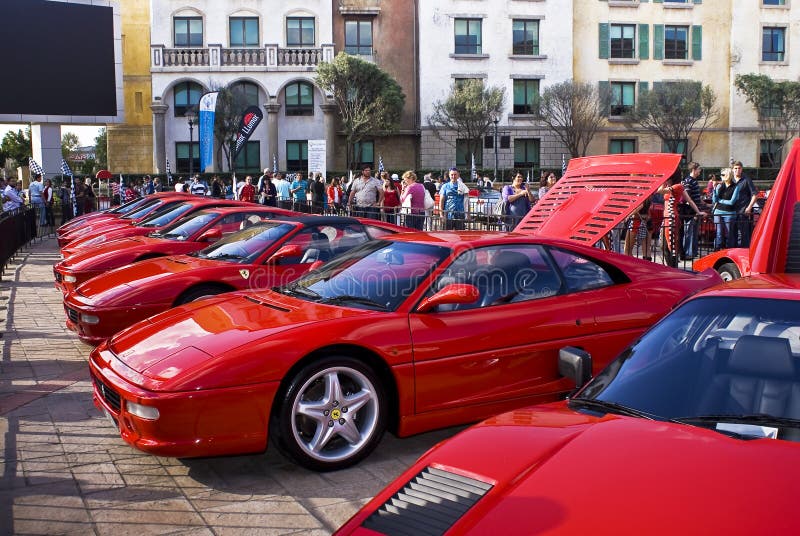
296	155
774	2
464	153
771	108
526	97
358	37
676	42
249	158
622	146
299	99
364	153
773	44
458	83
526	153
682	145
188	31
186	94
300	32
526	37
675	1
622	37
182	156
468	36
245	93
244	31
770	154
622	97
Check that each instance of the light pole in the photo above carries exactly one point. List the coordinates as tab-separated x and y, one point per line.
495	120
191	118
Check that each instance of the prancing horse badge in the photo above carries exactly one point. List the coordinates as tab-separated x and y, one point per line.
244	273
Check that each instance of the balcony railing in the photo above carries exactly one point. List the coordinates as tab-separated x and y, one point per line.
219	58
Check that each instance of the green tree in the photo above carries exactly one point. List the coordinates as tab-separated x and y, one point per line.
88	167
777	103
17	147
573	112
468	111
69	145
369	100
673	110
101	149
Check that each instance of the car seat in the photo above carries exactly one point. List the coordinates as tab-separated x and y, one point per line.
318	249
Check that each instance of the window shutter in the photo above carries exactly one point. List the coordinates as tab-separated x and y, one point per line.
658	41
643	88
604	44
644	41
697	42
604	87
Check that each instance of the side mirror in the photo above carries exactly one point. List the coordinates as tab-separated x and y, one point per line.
212	235
289	250
576	364
314	265
454	293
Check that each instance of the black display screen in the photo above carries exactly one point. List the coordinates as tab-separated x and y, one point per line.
58	59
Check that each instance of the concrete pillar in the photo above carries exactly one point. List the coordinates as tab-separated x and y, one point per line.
160	137
46	146
272	134
329	113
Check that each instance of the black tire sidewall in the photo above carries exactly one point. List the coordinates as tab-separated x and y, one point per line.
281	424
730	268
197	293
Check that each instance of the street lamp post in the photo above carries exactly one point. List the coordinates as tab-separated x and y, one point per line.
495	120
191	118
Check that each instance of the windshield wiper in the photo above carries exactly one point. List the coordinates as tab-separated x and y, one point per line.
612	407
761	419
355	299
226	256
297	290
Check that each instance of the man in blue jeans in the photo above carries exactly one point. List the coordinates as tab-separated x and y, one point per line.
691	187
35	192
748	194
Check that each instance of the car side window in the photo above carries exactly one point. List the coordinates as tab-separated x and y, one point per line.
314	244
345	238
502	274
236	222
579	272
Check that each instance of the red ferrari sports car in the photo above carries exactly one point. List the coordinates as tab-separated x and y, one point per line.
411	332
108	214
190	233
155	222
694	429
151	204
261	256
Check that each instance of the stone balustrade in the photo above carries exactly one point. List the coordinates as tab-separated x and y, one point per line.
216	58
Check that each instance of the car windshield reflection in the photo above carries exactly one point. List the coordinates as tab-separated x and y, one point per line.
187	226
247	245
378	275
722	362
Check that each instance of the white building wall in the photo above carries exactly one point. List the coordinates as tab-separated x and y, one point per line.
439	66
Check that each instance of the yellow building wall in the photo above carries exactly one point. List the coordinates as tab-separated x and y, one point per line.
130	144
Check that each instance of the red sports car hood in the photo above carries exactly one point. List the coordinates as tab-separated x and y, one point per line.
556	471
202	334
93	258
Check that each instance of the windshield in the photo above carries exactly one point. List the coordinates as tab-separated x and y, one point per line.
129	206
165	215
141	210
246	246
716	359
378	275
187	226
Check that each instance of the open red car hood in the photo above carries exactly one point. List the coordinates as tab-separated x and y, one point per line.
596	194
556	471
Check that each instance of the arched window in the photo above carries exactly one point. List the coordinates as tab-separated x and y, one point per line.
299	99
186	94
245	93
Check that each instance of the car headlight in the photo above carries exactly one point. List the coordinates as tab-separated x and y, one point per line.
144	412
90	319
70	279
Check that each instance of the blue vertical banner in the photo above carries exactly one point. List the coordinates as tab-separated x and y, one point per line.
208	105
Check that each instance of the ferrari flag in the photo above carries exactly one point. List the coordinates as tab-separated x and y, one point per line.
250	119
208	106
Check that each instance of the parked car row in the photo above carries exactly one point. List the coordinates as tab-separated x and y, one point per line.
323	332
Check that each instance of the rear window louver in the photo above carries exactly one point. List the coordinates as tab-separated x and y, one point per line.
431	503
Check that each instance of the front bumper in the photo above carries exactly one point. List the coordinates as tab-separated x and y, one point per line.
111	319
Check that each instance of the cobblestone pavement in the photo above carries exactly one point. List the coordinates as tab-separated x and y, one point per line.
66	471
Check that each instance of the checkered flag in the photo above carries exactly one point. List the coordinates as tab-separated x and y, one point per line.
34	166
563	164
380	164
169	173
274	163
121	189
65	168
473	170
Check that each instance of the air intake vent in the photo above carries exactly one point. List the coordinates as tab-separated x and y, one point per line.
265	304
431	503
793	251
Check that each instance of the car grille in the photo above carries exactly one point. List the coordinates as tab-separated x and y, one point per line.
108	394
431	503
72	314
58	276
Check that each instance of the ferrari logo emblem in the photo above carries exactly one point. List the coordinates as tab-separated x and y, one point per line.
336	414
244	273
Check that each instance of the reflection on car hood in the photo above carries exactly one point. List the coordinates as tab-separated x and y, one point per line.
563	472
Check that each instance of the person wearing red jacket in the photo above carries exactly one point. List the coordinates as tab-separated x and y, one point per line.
248	191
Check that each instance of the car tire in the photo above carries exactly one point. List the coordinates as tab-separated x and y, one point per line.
315	421
203	291
729	271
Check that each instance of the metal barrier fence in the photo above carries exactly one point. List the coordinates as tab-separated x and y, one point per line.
17	229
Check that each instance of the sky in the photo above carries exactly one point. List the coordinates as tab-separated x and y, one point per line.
86	134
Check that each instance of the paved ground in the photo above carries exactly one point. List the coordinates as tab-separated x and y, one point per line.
66	471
